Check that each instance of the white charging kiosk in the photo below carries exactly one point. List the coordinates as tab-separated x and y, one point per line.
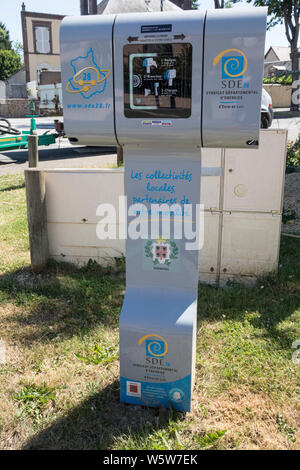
162	85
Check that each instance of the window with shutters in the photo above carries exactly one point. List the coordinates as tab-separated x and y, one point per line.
42	38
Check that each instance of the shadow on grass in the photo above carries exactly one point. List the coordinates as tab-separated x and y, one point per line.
74	301
13	187
96	423
63	301
274	299
66	301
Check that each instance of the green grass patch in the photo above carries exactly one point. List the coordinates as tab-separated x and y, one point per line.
99	354
13	223
60	385
33	399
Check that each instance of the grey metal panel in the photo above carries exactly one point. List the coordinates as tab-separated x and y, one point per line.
160	299
232	76
187	23
87	79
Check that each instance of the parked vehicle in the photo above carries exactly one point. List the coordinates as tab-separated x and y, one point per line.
266	110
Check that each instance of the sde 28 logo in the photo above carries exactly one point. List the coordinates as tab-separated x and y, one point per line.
234	67
156	349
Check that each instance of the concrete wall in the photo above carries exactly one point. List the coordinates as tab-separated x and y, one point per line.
2	90
14	86
15	108
280	94
16	91
242	191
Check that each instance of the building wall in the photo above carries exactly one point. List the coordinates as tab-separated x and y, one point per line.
2	90
14	86
34	61
16	108
280	94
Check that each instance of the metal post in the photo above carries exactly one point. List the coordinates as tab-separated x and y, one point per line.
120	156
161	5
33	151
187	4
84	7
92	7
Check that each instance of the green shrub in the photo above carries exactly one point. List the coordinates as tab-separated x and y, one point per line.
10	63
293	153
285	79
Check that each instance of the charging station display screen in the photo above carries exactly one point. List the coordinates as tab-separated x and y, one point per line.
157	80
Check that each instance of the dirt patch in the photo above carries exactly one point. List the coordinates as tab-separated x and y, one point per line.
252	421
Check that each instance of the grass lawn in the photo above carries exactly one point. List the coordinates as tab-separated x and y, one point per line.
59	385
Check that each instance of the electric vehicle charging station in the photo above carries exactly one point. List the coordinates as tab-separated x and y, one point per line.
162	85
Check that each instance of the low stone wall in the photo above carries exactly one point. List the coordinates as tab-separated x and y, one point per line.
280	94
16	108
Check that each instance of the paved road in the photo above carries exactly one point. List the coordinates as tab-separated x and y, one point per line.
59	155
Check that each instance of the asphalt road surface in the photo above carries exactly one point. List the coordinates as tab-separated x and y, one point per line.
59	155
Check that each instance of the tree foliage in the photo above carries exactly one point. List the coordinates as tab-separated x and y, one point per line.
10	57
10	63
285	12
280	11
5	43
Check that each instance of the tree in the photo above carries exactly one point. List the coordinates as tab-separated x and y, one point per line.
18	47
10	57
5	43
287	12
10	63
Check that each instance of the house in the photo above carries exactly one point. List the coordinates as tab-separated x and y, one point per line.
107	7
40	42
14	87
277	59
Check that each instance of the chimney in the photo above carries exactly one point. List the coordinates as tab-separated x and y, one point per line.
84	10
184	4
187	4
88	7
92	7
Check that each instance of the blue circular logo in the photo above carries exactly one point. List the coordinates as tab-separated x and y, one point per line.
176	395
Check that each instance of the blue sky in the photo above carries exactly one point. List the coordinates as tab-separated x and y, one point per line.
10	15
